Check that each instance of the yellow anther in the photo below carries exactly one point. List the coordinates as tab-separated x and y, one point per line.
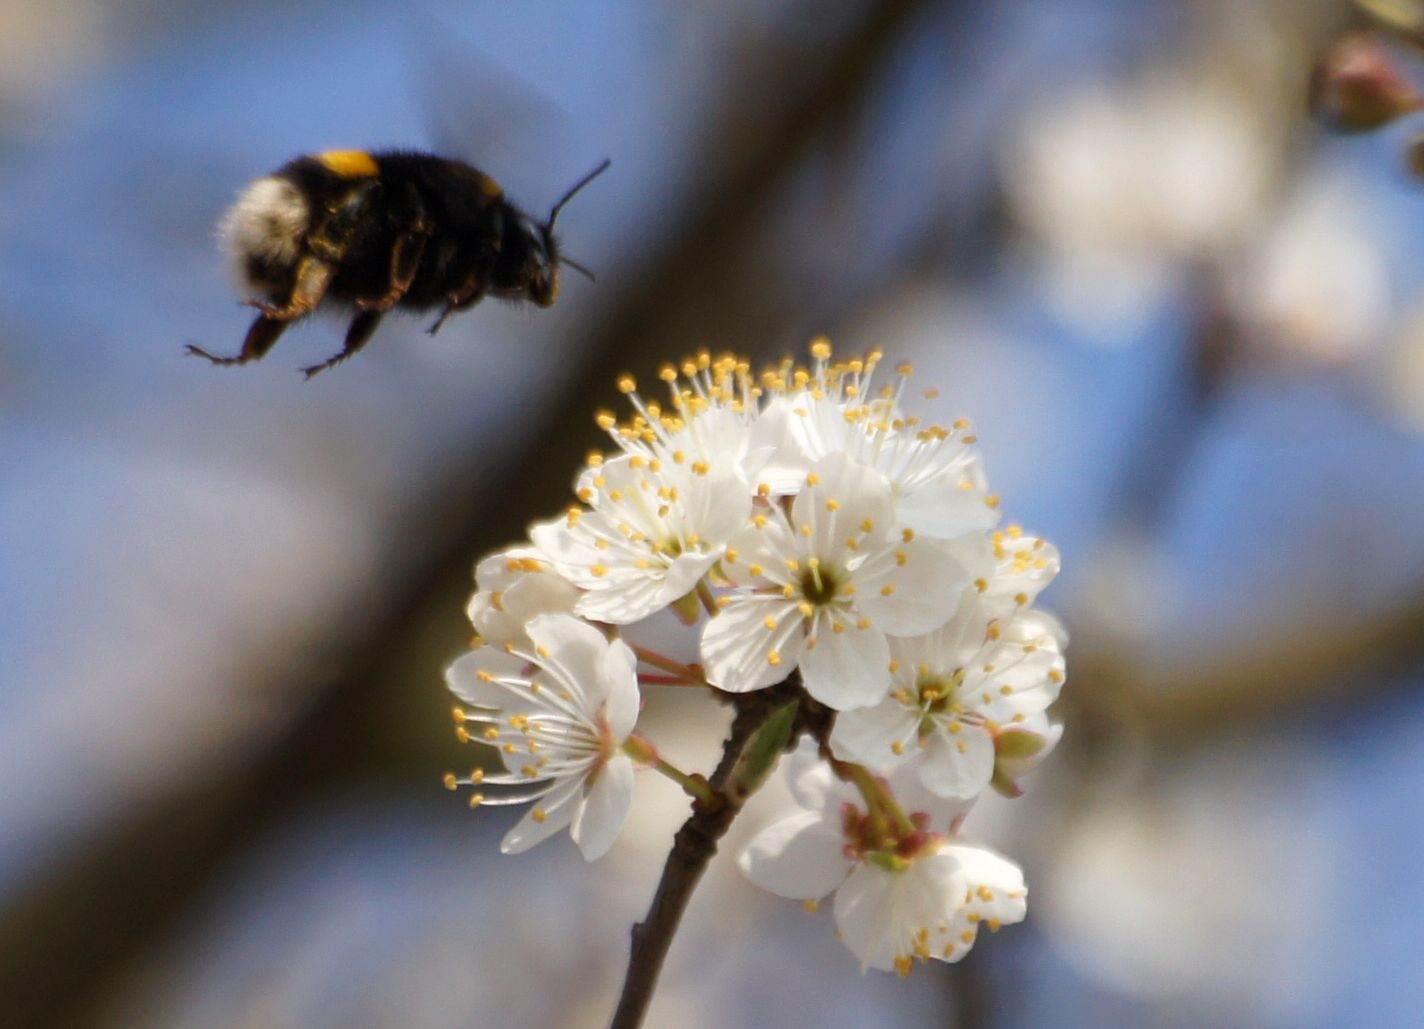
886	590
773	658
476	799
539	815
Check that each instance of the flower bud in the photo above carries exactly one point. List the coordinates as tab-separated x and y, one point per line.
1357	85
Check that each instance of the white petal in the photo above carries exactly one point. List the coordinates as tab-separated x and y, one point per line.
846	669
575	651
620	671
768	545
1028	565
879	913
801	857
996	892
683	573
910	793
911	588
1026	679
812	782
958	766
716	505
463	679
849	497
868	736
604	808
942	508
737	646
536	593
865	916
557	809
630	600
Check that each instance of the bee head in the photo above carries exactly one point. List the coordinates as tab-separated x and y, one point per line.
543	247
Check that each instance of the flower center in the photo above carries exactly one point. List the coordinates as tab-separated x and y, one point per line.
819	584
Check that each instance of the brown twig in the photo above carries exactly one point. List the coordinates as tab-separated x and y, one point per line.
692	850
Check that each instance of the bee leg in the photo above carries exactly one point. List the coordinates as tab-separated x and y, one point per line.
312	279
461	301
360	331
260	337
405	262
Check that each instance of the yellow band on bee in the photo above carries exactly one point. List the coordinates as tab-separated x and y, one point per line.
490	188
349	164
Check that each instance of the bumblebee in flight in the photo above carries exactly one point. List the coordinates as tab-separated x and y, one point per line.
376	231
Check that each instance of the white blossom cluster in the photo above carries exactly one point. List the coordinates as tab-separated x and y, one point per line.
806	524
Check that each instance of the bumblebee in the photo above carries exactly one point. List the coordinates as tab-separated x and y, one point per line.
377	231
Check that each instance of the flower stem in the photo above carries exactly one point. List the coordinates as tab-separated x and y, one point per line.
694	786
879	801
687	673
704	594
692	850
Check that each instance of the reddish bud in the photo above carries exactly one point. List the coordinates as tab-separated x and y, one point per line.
1357	85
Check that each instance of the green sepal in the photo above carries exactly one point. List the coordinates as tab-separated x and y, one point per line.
887	861
688	608
1005	786
763	750
1018	744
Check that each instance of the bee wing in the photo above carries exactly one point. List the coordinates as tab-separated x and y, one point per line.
480	111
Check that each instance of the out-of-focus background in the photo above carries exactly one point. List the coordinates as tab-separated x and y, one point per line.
1188	326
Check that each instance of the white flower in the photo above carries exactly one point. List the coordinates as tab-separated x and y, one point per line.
1023	566
559	715
908	895
713	417
774	428
995	895
937	478
822	588
512	586
652	531
954	691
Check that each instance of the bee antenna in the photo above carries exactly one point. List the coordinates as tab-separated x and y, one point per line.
554	213
578	268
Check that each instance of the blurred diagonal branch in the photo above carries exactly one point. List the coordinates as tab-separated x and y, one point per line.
1236	690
